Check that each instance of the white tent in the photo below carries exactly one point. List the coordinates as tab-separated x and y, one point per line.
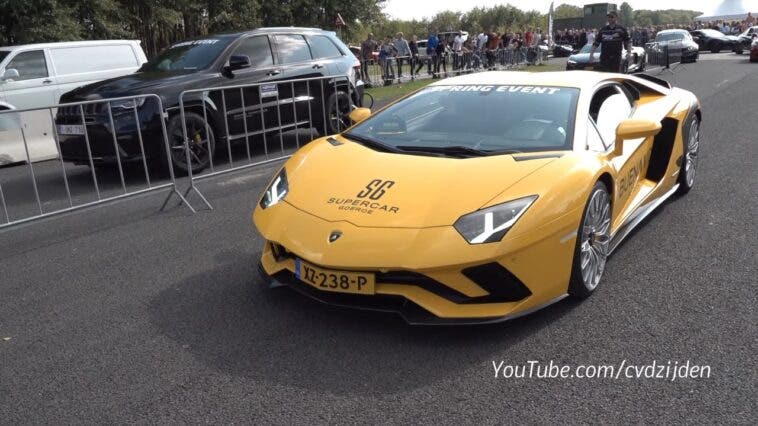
730	10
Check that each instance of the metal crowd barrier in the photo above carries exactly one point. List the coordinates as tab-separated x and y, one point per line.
385	72
666	56
110	132
254	124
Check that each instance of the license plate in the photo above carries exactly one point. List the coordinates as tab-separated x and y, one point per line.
70	129
335	281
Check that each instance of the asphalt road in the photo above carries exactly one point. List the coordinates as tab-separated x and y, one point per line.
125	314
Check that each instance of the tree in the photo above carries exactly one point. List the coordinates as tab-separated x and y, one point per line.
32	21
627	14
567	11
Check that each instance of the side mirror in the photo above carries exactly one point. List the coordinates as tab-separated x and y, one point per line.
10	74
238	62
359	114
634	128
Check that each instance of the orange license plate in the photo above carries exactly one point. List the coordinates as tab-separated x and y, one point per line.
335	281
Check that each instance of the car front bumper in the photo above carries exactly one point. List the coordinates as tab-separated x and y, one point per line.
428	275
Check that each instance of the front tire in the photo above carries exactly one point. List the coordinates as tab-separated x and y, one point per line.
336	110
688	167
201	141
592	243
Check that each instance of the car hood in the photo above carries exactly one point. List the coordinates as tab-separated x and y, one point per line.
133	84
583	58
353	183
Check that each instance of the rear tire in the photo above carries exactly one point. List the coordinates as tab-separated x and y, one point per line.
592	243
691	140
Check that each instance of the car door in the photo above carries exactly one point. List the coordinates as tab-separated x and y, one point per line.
34	87
609	107
294	55
259	110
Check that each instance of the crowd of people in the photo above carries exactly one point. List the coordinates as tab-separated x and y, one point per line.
641	35
487	49
454	49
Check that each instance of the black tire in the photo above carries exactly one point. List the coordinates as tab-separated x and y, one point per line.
738	51
202	145
598	241
336	110
715	47
690	154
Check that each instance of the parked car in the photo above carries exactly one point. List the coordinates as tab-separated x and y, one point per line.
675	41
35	76
745	40
634	62
265	55
563	50
714	41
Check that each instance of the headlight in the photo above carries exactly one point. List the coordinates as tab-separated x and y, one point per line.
572	62
490	225
128	103
276	192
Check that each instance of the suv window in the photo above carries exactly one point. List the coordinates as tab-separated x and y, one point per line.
292	48
609	107
323	48
258	49
30	65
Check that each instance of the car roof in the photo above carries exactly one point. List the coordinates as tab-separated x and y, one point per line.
577	79
268	30
65	44
672	31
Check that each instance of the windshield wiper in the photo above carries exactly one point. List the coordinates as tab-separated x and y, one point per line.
370	142
457	150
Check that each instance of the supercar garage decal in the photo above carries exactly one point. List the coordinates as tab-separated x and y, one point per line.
478	198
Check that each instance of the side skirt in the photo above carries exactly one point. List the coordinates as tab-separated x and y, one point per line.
639	215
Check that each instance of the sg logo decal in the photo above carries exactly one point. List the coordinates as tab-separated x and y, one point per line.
376	189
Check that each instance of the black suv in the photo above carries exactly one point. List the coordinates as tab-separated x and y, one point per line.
265	55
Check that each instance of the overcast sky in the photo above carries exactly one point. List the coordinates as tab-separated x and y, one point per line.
417	9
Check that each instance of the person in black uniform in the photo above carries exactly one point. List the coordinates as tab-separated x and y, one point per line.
613	38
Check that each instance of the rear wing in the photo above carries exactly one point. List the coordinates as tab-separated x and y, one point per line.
656	80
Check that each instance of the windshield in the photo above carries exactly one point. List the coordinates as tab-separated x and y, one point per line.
188	55
712	33
3	54
474	120
669	37
588	47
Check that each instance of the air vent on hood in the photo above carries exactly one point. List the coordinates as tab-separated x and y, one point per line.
537	157
334	142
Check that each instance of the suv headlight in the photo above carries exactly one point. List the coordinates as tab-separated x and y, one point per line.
128	103
276	191
490	225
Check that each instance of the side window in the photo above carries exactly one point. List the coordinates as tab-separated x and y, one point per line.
594	141
292	48
608	108
258	50
30	65
323	48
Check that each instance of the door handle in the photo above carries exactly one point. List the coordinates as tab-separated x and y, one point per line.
273	72
317	66
48	81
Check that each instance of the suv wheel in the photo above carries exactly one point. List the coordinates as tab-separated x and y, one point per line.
201	142
337	109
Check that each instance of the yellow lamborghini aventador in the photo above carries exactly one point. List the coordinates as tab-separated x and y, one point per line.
478	198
